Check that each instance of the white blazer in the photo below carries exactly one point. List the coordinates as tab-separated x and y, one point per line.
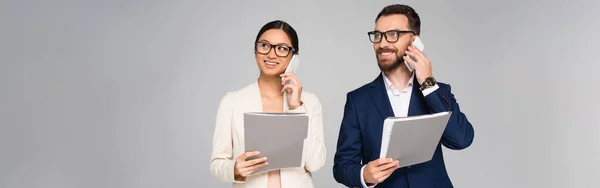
228	139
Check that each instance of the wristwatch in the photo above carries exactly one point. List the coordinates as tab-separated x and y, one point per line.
429	82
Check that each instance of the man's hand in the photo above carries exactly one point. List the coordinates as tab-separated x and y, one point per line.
378	170
421	63
243	168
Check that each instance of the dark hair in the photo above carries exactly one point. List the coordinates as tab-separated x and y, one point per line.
287	28
414	22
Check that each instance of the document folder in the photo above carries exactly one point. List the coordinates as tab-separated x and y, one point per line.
412	140
278	136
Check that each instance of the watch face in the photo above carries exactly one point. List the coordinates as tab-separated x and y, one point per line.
430	81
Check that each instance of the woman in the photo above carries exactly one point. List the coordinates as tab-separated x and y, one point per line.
274	47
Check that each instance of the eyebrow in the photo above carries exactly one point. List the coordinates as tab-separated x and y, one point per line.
265	40
394	30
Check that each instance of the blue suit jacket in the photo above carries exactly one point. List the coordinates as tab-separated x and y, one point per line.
360	135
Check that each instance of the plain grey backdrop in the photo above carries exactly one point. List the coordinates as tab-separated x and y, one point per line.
122	94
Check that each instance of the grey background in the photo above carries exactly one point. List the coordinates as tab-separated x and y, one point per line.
124	93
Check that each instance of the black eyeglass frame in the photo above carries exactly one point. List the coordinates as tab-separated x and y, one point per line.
372	33
292	49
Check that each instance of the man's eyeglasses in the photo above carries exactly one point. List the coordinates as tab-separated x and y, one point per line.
391	36
281	50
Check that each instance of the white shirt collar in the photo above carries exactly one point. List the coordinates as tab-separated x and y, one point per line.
390	86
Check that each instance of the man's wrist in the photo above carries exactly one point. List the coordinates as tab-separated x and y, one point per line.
428	83
363	181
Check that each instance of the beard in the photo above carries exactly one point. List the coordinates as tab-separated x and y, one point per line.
388	65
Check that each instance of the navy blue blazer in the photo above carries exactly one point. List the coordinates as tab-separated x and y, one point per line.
362	126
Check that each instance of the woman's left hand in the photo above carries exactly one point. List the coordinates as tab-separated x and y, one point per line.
292	85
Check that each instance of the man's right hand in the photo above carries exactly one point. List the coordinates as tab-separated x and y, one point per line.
243	168
378	170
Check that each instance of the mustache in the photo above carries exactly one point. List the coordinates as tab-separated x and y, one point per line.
382	50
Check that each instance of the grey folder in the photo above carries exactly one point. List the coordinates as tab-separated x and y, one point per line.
278	136
412	140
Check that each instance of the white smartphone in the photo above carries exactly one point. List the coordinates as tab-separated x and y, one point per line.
293	64
419	44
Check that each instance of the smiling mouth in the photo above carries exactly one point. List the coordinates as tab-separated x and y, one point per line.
385	53
271	63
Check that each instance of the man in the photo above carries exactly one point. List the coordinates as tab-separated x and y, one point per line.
396	92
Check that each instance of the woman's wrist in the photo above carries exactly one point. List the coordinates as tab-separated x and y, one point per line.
293	107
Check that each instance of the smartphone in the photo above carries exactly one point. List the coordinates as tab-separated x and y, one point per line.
293	65
419	44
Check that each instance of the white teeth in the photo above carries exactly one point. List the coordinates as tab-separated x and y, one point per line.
271	63
385	53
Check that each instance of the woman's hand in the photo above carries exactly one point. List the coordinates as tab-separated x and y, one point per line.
292	85
243	168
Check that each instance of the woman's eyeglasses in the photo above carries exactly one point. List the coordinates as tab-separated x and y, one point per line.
281	50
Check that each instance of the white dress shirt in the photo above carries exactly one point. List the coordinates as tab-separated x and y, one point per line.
400	101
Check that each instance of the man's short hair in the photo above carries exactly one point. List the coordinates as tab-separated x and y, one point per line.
414	22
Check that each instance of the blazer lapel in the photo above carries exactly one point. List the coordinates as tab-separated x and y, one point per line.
380	98
255	98
417	104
